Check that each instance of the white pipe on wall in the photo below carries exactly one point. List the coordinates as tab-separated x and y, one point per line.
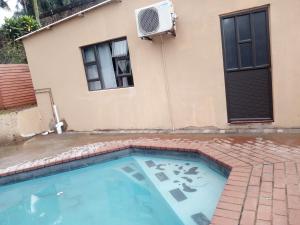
56	113
58	124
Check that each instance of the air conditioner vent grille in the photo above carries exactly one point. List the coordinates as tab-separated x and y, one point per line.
149	20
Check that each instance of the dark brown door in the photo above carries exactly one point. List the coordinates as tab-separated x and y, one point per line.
246	51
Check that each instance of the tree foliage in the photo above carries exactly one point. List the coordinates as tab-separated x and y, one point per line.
25	20
10	50
37	7
4	5
50	5
12	53
18	26
27	6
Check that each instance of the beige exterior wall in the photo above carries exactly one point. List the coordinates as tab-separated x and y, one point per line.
193	70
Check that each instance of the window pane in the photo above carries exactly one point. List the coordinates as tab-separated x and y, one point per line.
261	38
125	81
94	85
246	54
123	67
119	48
243	25
89	54
92	72
130	81
230	43
107	67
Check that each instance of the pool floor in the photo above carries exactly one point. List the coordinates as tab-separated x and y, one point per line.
134	190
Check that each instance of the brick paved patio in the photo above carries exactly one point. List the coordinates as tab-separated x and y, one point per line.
263	187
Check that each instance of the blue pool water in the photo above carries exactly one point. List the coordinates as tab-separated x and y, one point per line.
134	190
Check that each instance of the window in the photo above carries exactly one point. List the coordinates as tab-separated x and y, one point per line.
245	40
107	65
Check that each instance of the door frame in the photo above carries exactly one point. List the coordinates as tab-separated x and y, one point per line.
265	8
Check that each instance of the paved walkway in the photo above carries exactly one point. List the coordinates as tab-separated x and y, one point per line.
263	187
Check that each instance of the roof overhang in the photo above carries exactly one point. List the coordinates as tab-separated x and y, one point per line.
78	14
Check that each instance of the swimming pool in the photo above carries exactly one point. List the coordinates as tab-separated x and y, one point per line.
139	189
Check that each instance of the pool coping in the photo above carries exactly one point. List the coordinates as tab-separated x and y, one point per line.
233	207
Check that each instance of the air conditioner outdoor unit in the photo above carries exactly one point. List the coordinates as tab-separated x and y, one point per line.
155	19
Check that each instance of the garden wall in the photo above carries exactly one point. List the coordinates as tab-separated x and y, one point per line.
16	87
19	125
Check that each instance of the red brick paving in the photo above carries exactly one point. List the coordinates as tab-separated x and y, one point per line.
263	187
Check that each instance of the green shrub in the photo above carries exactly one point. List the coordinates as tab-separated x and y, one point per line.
12	53
10	50
18	26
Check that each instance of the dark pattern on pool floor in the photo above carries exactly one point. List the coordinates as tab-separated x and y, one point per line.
138	176
186	188
176	172
192	171
127	169
150	163
162	176
181	169
178	195
190	180
159	166
200	219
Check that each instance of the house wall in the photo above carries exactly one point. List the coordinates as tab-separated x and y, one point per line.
189	66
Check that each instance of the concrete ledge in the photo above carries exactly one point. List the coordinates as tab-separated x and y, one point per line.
240	130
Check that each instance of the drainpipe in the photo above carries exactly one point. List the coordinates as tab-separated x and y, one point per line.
58	124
